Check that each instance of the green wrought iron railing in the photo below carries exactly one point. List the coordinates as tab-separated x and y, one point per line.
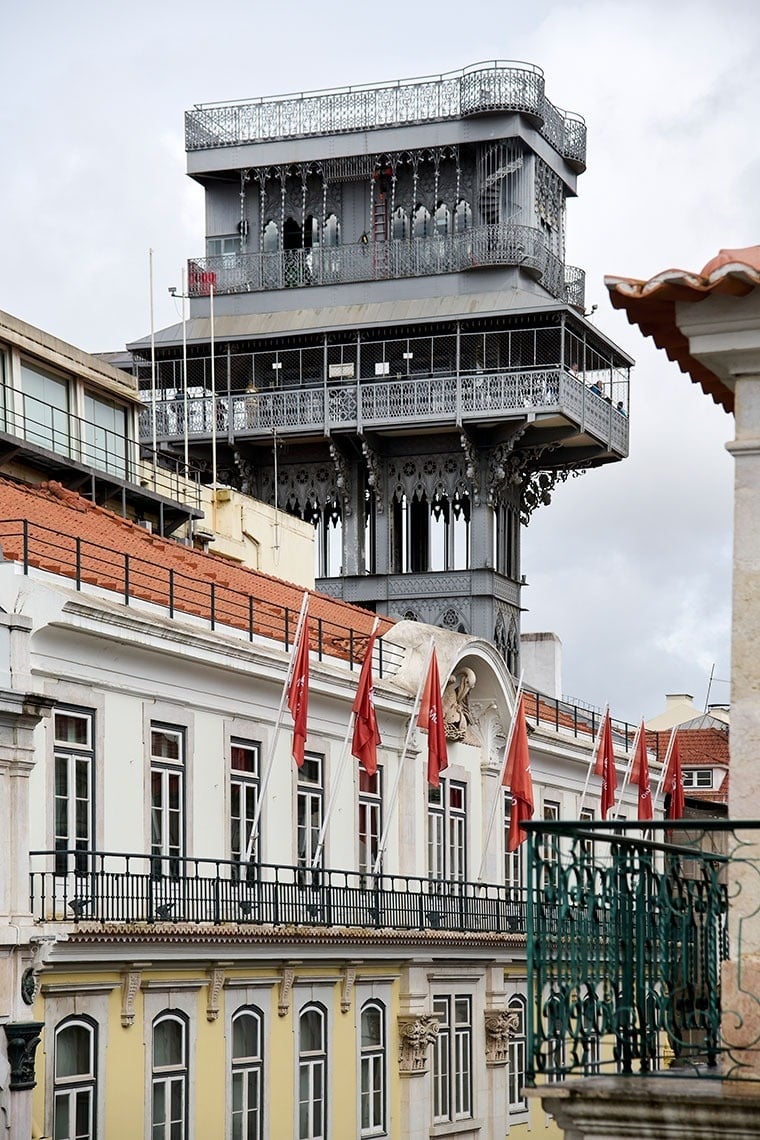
625	942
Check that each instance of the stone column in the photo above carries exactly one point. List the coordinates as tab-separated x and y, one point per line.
724	335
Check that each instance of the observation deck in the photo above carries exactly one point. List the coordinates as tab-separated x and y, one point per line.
483	88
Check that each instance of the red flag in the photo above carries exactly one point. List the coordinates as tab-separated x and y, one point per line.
605	766
640	775
518	779
366	735
674	783
430	720
298	694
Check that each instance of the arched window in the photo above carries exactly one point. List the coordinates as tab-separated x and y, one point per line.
75	1080
517	1006
399	224
169	1077
373	1066
312	1074
442	219
247	1075
422	225
331	230
291	234
271	237
462	216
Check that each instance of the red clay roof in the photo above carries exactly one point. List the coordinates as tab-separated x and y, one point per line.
651	305
699	748
66	534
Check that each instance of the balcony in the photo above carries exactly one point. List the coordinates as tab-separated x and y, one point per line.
439	401
484	88
625	943
476	248
106	887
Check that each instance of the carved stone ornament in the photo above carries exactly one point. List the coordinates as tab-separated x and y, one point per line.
23	1038
287	978
347	989
415	1034
500	1025
130	986
216	976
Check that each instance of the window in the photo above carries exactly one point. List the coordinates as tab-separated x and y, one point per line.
312	1074
104	443
75	1080
513	860
373	1069
245	759
167	808
370	820
46	409
447	823
697	777
309	808
452	1059
247	1075
422	224
169	1081
227	246
73	795
517	1009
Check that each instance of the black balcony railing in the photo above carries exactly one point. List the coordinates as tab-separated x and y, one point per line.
625	942
96	886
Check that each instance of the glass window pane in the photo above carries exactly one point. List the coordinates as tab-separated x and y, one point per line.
245	1036
72	1051
167	1043
371	1027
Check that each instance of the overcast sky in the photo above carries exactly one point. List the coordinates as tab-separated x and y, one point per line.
630	565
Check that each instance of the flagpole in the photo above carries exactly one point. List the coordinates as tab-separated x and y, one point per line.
152	367
629	766
402	758
185	405
666	761
499	789
339	776
592	761
277	725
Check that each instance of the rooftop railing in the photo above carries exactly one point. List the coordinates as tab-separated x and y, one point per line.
433	400
186	592
94	886
478	247
483	88
625	943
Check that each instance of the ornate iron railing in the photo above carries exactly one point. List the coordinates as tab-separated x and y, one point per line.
417	257
380	403
494	86
97	886
625	942
221	605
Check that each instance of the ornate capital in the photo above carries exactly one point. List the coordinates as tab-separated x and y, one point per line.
23	1039
415	1034
500	1024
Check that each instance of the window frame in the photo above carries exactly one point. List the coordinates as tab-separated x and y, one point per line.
309	793
447	833
373	1062
691	779
452	1072
370	819
245	786
310	1062
75	1084
517	1052
165	860
245	1067
166	1076
71	754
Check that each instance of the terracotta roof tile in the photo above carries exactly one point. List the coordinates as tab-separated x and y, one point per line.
651	305
64	530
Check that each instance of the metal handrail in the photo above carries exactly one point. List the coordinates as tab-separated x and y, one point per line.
437	399
476	247
132	577
482	88
81	885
